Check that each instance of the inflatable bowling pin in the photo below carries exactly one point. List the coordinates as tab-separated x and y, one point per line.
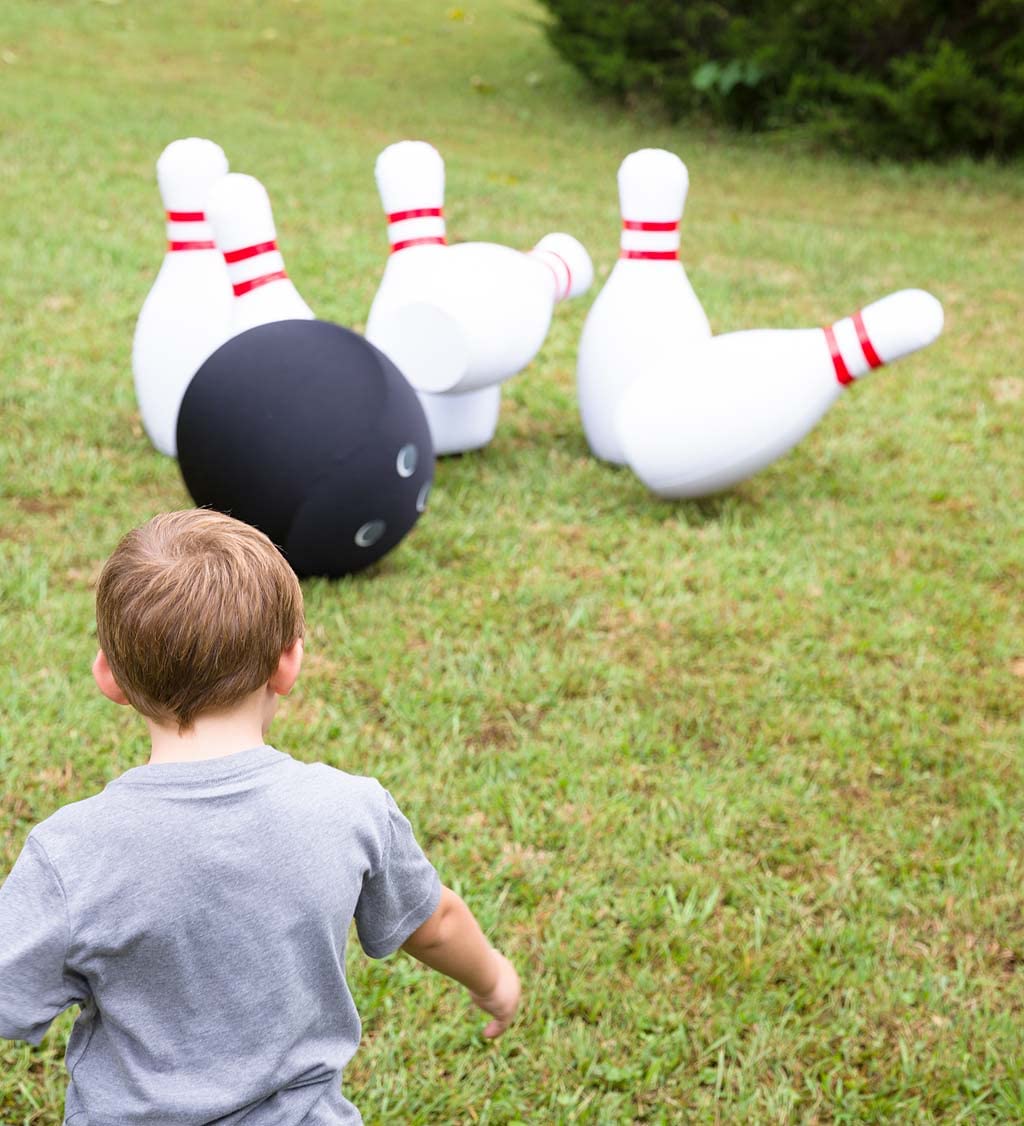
243	225
647	314
467	317
749	397
410	180
487	314
185	316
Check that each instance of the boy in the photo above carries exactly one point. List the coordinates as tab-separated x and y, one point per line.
197	909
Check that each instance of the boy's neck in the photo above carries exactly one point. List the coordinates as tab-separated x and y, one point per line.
213	735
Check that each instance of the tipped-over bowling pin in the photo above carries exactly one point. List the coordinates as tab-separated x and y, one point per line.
243	225
751	396
464	318
647	314
487	314
185	316
410	179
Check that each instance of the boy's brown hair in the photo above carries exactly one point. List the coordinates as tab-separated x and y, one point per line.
193	612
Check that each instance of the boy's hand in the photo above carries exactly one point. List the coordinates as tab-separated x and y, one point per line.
451	941
503	998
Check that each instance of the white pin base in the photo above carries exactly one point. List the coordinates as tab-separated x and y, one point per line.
462	422
646	320
173	338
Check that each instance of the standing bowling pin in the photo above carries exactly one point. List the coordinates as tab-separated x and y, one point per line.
243	225
185	316
410	180
647	315
751	396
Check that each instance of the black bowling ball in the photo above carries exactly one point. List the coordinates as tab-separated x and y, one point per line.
308	432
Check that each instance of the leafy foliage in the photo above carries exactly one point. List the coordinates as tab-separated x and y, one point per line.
916	78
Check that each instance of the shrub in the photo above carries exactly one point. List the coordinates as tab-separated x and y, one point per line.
908	78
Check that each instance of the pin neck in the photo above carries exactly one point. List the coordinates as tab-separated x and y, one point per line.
417	226
850	367
252	267
651	255
560	270
184	234
654	240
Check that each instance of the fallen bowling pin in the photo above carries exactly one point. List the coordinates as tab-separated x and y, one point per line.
647	314
751	396
185	316
243	225
410	180
460	320
487	313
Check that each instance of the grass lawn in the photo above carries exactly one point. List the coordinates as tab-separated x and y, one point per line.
738	783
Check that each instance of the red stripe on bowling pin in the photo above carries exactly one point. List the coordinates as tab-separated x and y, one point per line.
644	251
414	213
635	225
842	371
241	288
871	355
243	254
429	240
561	291
568	275
188	244
231	256
651	255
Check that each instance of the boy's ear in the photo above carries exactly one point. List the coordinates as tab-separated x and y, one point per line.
104	677
287	671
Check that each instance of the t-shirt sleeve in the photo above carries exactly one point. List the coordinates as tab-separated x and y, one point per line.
34	986
401	894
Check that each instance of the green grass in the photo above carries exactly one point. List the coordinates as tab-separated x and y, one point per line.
737	783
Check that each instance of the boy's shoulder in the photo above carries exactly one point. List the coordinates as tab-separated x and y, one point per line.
125	804
321	777
84	811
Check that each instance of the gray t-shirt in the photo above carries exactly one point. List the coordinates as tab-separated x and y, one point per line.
198	914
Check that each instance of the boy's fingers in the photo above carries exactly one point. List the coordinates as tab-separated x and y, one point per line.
502	1002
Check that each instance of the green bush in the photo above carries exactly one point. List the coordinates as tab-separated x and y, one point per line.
905	78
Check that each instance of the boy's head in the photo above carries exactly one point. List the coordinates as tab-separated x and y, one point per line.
193	612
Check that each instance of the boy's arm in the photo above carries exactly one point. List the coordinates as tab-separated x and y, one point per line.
451	941
34	982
